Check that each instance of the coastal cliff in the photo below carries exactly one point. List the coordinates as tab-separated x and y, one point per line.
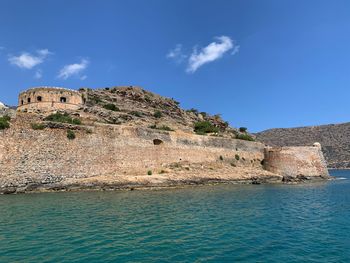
139	142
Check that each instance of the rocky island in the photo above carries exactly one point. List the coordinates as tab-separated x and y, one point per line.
126	137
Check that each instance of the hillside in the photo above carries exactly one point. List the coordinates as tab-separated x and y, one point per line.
135	106
334	138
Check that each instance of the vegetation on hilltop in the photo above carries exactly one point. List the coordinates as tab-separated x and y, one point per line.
204	127
64	118
37	126
4	122
111	106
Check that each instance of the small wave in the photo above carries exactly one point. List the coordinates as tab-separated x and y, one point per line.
341	178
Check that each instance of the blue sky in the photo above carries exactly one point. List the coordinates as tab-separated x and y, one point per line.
261	64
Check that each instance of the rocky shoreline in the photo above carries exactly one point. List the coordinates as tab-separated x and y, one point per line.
155	182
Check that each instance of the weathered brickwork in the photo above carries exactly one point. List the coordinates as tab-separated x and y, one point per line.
47	99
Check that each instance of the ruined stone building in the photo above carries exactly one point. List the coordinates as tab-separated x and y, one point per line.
48	99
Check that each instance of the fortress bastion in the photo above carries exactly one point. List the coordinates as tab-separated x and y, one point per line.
46	99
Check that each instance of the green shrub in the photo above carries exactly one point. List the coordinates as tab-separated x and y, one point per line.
176	102
149	172
136	113
70	135
201	133
147	98
245	137
4	122
243	129
157	114
237	157
6	118
64	118
76	121
94	100
111	106
38	126
163	127
203	127
193	110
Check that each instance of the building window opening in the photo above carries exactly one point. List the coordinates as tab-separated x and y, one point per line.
157	142
63	99
39	98
28	100
22	102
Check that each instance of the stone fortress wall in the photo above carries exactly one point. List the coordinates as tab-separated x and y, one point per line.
297	161
46	99
46	157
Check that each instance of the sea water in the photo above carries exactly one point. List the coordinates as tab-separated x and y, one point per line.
222	223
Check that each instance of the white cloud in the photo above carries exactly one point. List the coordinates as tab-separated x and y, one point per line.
28	61
210	53
74	70
38	74
176	54
44	52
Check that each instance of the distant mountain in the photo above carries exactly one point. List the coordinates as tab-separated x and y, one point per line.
334	138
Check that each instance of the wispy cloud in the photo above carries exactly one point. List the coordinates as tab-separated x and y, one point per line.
235	50
176	54
28	61
38	74
213	51
74	70
210	53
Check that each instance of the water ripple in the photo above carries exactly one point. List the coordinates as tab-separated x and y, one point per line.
264	223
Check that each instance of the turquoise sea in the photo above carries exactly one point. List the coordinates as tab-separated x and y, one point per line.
222	223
